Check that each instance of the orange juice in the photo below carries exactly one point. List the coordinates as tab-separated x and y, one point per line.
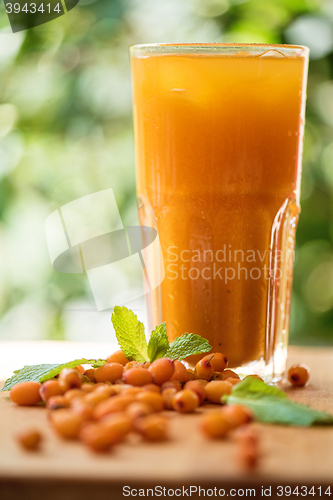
218	135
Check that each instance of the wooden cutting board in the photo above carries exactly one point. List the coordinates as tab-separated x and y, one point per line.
67	471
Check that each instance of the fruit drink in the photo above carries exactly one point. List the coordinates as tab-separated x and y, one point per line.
218	138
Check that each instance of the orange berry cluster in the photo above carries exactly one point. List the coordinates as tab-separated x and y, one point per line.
102	406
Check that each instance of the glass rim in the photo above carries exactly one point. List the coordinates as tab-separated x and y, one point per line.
216	48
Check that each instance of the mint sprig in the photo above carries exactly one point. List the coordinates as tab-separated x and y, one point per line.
131	338
187	345
41	373
130	334
132	341
270	405
158	343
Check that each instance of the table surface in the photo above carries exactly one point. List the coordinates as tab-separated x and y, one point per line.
65	470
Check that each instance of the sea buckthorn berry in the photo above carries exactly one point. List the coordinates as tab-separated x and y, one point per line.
216	389
95	398
138	376
117	357
118	388
191	374
82	408
168	396
185	401
151	398
26	393
70	379
204	369
80	369
171	384
247	435
247	451
162	370
90	374
151	388
131	364
118	425
218	361
298	375
56	403
214	425
139	409
199	389
153	427
86	387
181	373
29	439
130	390
106	390
119	382
202	382
96	437
112	405
67	423
233	381
230	374
73	394
225	374
237	415
109	372
50	388
124	387
247	457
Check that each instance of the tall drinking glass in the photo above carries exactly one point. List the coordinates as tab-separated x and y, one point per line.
218	137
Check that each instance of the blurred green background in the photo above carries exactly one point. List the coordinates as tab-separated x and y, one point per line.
66	131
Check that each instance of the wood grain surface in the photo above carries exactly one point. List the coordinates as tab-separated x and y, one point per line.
67	471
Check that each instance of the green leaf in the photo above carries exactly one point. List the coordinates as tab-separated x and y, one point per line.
271	405
130	334
187	345
252	387
40	373
98	363
158	343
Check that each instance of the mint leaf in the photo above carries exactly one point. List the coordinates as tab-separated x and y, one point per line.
251	387
40	373
187	345
130	334
98	363
271	405
158	343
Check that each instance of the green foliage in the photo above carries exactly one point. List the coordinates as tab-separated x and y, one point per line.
187	345
270	405
132	341
130	334
41	373
158	343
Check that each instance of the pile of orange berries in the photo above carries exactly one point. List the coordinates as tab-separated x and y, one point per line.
102	406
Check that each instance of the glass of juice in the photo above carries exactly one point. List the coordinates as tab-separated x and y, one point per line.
218	137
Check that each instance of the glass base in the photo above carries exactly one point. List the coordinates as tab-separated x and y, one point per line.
272	371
